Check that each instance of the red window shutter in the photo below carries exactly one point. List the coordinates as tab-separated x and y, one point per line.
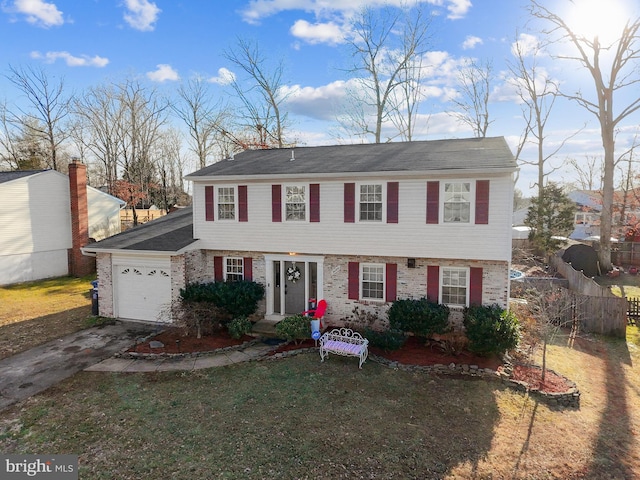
354	280
243	211
475	286
218	272
482	202
433	201
433	283
391	280
208	203
392	202
248	268
349	202
276	203
314	202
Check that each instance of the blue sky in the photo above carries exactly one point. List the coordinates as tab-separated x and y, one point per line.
165	42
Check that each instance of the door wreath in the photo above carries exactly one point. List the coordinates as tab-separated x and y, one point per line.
293	274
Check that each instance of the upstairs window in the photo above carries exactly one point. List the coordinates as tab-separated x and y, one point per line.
295	203
371	203
226	203
457	202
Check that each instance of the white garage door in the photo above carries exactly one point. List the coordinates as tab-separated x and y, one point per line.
142	292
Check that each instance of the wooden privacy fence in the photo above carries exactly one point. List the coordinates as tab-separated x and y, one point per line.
598	310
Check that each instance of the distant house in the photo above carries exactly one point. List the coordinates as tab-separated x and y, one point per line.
357	225
626	213
43	224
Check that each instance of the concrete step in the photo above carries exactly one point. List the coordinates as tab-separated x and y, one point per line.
264	328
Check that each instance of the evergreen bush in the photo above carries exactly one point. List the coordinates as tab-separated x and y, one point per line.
491	329
387	340
294	328
420	317
239	326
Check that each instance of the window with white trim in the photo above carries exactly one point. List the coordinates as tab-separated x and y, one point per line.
226	203
454	286
370	203
372	281
457	202
234	269
295	203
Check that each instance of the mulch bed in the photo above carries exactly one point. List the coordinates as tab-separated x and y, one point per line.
175	341
413	352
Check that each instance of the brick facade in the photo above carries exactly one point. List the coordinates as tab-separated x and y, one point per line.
79	264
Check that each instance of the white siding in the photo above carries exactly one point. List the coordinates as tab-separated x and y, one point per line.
36	227
410	237
104	214
26	267
35	214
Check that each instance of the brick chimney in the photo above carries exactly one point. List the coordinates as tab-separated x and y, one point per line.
79	264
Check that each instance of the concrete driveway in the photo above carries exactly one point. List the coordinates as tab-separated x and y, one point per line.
35	370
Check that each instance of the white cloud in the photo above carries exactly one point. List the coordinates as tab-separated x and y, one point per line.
38	12
164	73
526	44
257	10
225	77
471	42
142	14
316	102
71	60
458	8
330	33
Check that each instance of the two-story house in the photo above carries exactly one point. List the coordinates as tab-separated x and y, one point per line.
357	225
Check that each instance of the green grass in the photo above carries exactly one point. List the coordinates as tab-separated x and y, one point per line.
299	418
25	301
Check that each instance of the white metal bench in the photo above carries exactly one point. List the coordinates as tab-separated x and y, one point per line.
345	342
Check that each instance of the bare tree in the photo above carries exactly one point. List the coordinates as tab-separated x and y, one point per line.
612	67
170	167
551	308
537	93
143	116
386	47
202	117
588	171
49	108
99	117
475	79
261	94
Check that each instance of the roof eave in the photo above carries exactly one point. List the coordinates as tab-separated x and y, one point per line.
379	174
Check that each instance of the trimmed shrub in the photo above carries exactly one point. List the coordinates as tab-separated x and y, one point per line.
236	299
420	317
294	328
239	326
491	329
387	340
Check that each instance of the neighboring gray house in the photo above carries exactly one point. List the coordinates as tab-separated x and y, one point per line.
357	225
38	219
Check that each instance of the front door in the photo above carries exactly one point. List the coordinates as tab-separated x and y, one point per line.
292	283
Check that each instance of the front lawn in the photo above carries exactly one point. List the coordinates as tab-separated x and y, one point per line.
36	312
299	418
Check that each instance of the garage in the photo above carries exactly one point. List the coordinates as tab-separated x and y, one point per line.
142	288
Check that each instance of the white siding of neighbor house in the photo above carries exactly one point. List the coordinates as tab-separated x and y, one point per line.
104	214
410	237
36	227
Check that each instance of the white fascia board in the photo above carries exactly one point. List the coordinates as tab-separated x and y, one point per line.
449	172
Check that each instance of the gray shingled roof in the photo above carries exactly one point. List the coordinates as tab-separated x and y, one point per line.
170	233
423	156
10	176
